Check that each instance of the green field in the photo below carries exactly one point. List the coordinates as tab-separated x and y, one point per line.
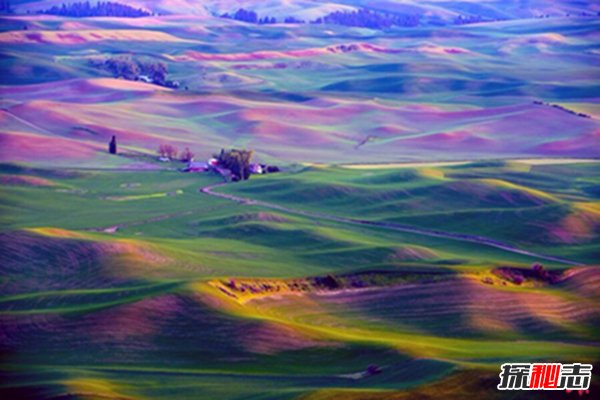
133	284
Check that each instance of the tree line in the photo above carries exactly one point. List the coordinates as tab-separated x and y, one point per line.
169	151
358	18
368	19
5	7
364	18
101	9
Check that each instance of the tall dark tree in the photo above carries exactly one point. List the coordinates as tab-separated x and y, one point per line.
112	146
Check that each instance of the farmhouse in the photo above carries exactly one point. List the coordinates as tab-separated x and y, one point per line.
196	166
233	165
144	78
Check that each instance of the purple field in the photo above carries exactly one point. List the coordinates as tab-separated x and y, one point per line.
304	93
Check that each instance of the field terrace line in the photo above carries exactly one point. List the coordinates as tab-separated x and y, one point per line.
388	225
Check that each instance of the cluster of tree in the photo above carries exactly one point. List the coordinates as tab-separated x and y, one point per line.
126	67
559	107
518	275
101	9
581	14
186	155
169	151
293	20
368	19
267	20
359	18
249	16
473	19
233	164
5	7
237	161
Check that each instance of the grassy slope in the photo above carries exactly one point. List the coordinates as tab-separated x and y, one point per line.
552	206
144	289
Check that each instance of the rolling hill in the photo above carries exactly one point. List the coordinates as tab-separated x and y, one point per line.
471	95
133	284
309	10
436	211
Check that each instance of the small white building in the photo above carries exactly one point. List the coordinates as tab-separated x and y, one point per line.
197	166
256	169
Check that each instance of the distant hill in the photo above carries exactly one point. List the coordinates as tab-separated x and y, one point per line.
443	10
187	7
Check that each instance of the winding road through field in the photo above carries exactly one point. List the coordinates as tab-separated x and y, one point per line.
209	190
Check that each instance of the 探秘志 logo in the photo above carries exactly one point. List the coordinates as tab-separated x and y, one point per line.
551	376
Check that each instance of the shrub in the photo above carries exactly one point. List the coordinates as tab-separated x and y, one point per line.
167	150
186	155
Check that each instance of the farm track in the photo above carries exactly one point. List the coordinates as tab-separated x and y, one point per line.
209	190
